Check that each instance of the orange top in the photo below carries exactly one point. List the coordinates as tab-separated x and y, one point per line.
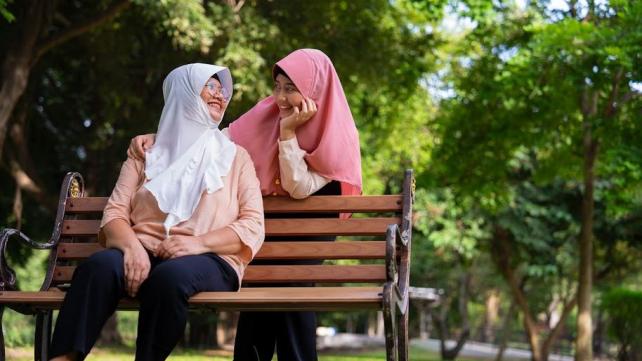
238	206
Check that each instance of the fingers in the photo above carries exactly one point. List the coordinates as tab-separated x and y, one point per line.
313	105
308	109
139	147
130	150
137	267
167	248
146	144
304	106
139	276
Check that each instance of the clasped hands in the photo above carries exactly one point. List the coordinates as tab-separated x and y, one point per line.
137	261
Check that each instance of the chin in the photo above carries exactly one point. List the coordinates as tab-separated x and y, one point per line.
285	114
216	117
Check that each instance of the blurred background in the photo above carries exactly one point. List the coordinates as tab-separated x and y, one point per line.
521	118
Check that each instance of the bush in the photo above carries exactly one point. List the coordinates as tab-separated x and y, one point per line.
624	308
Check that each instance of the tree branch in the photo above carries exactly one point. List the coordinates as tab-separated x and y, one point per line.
611	105
27	184
78	29
552	337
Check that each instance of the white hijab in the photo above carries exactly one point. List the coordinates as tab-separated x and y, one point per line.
190	154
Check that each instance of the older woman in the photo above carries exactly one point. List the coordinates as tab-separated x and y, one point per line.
303	141
188	219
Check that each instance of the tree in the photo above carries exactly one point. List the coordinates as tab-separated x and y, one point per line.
563	83
83	99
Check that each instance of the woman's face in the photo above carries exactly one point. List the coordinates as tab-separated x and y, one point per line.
287	95
215	96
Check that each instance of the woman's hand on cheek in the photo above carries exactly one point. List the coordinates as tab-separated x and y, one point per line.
299	116
178	246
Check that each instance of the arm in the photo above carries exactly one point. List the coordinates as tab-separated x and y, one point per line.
296	178
250	224
116	231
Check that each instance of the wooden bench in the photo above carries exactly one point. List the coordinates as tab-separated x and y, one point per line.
380	229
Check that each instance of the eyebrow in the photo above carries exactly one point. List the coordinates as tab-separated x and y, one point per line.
287	82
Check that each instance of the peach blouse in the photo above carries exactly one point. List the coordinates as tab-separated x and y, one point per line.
237	206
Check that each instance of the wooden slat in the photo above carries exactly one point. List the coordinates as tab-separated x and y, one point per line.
329	226
278	274
385	203
259	298
277	227
86	204
270	250
323	250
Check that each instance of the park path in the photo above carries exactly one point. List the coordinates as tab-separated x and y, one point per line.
484	351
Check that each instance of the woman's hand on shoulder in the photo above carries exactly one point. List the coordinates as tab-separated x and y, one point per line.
139	145
178	246
299	117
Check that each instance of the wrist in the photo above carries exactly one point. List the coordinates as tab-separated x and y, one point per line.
131	246
203	242
286	133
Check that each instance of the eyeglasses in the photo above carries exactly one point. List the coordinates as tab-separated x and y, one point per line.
215	89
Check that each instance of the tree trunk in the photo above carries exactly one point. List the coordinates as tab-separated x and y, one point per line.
28	46
226	328
451	354
110	335
503	340
17	61
202	330
490	315
502	256
584	343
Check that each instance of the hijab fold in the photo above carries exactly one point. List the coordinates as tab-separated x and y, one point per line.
190	155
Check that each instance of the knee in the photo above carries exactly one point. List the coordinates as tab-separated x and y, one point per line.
103	264
163	286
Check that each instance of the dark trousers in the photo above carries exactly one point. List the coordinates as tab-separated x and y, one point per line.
99	283
293	334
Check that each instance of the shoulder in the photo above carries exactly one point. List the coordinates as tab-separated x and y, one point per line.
242	155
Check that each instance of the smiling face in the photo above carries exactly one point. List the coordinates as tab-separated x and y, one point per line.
213	95
286	94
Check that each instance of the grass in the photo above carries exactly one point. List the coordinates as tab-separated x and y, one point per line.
126	354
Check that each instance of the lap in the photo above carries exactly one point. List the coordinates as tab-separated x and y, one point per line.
205	272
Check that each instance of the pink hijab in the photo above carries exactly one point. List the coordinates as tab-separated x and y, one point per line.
330	137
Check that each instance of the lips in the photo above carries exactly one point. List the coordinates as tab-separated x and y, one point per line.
215	104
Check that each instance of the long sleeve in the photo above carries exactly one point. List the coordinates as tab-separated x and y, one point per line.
250	225
119	204
296	178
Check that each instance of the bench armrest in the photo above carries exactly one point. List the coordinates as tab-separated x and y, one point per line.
397	268
7	274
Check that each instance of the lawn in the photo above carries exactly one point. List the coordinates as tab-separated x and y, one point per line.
126	354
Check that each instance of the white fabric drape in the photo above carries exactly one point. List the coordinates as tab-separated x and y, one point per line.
190	154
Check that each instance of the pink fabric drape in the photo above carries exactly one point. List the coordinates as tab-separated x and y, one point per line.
330	137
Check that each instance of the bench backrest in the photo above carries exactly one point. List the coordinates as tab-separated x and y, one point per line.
363	236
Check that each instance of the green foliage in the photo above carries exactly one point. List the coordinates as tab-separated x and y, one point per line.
520	87
6	14
624	309
19	329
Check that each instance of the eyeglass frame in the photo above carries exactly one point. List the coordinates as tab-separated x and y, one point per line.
214	89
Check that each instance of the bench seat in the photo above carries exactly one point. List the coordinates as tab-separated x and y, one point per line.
366	268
